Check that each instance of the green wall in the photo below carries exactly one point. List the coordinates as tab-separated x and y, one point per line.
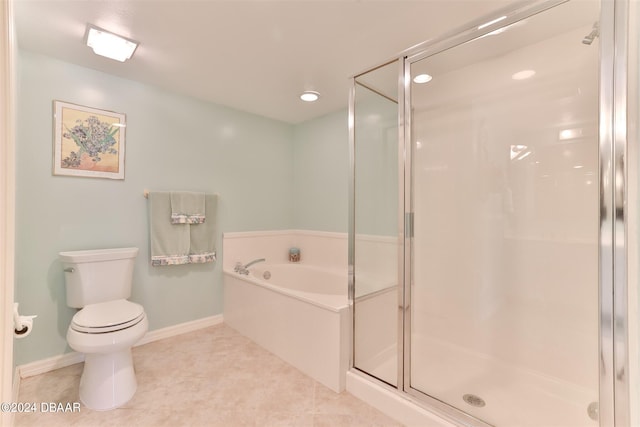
321	173
376	157
173	143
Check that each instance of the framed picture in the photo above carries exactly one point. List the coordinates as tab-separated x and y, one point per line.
88	142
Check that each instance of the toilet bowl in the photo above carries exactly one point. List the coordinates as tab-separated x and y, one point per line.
107	324
105	333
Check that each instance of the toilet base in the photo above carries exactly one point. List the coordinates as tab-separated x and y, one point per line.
108	380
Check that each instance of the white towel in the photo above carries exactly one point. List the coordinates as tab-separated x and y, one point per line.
187	208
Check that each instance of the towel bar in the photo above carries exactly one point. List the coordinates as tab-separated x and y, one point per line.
146	193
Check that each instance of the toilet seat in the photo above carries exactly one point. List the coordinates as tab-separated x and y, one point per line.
107	317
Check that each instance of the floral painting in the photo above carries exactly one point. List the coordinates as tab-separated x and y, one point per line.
88	142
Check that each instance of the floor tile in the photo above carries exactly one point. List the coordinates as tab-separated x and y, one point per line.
211	377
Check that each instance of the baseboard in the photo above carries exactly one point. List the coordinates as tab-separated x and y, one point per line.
56	362
49	364
182	328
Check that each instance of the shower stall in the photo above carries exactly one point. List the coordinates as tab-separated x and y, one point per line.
489	234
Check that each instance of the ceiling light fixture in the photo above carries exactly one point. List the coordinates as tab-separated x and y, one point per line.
310	96
422	78
523	75
110	45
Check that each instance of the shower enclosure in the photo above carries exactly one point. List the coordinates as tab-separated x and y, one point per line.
487	209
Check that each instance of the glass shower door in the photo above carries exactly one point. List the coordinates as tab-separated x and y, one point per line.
504	193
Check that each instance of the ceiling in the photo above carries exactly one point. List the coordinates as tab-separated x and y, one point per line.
254	56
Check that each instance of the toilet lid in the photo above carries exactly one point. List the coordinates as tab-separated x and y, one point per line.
107	316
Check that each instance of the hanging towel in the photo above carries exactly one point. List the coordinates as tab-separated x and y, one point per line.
169	242
187	208
203	236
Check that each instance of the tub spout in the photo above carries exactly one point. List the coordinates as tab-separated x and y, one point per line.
255	261
244	269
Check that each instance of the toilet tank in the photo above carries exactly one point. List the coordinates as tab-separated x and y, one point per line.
98	275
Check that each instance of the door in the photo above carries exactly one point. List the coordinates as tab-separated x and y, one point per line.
505	195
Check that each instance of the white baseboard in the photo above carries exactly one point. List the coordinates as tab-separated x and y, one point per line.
52	363
56	362
182	328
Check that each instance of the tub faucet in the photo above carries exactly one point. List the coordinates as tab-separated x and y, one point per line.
244	269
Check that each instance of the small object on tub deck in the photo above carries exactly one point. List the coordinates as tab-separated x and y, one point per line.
294	255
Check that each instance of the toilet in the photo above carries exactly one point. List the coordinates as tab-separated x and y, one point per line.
107	326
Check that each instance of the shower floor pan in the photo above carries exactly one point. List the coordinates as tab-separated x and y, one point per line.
512	396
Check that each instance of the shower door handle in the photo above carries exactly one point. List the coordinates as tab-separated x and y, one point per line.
408	225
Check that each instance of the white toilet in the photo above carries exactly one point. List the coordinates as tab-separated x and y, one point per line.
99	281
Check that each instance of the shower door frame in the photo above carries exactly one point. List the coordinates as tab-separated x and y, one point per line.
613	314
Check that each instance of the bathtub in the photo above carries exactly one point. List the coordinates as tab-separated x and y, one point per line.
298	312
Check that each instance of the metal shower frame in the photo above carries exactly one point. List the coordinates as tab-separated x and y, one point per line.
614	388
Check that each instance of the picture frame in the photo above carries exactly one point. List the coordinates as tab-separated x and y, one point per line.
88	142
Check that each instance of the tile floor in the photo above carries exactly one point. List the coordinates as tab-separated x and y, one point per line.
211	377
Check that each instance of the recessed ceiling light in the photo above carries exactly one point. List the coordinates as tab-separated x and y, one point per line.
422	78
109	44
570	134
522	75
309	96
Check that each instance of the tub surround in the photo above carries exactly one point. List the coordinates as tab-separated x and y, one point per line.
312	335
319	248
311	338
